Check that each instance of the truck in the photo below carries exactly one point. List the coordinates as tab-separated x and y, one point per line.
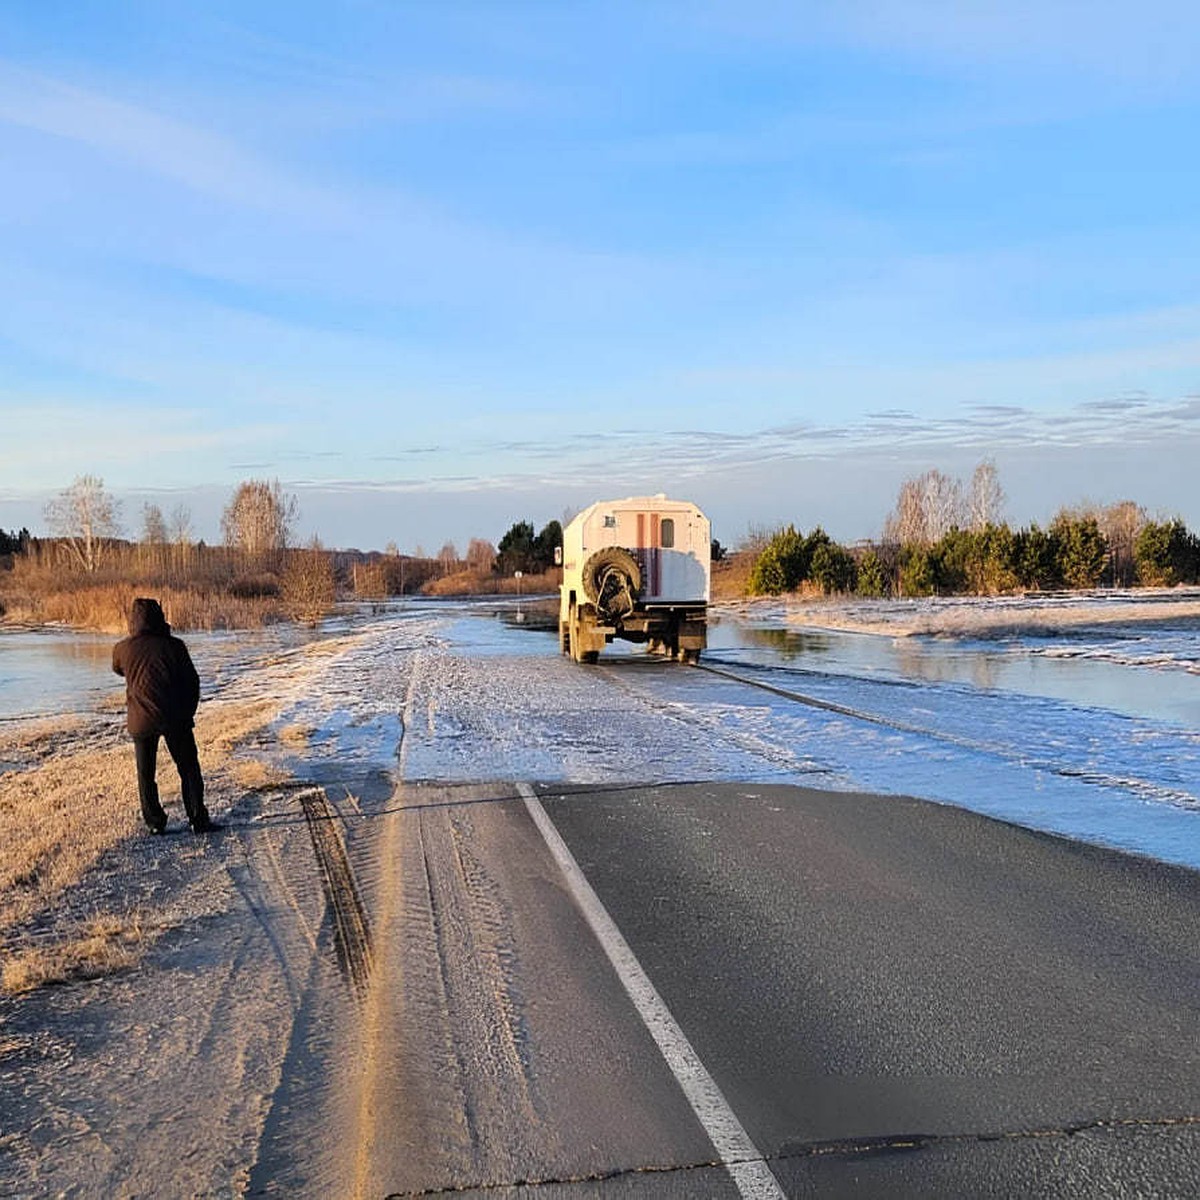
638	569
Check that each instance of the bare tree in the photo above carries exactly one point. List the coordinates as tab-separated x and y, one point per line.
905	524
181	526
1120	524
154	528
308	587
481	555
755	539
987	496
448	557
927	507
83	516
943	503
259	518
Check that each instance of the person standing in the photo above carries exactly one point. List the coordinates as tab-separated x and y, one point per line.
162	693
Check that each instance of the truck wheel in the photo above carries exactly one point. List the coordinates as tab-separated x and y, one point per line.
610	558
573	632
564	637
578	621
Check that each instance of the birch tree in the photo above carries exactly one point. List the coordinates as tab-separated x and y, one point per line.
986	504
927	507
83	517
154	527
481	555
259	518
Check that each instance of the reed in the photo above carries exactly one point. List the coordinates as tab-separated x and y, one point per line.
199	587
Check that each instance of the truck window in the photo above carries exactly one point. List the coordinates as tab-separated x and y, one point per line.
668	533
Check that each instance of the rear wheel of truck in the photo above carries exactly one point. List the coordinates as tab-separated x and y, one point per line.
579	622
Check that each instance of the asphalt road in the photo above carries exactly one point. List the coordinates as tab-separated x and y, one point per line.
899	998
893	998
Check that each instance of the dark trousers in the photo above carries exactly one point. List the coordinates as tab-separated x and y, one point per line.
182	745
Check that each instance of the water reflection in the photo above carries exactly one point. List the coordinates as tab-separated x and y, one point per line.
1088	667
790	644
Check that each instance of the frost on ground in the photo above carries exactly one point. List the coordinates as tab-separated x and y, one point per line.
480	699
969	616
1043	730
153	1071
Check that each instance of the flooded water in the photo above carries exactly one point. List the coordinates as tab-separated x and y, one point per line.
1135	671
1093	732
51	672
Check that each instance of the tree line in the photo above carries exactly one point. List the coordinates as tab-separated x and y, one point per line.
944	539
254	574
16	542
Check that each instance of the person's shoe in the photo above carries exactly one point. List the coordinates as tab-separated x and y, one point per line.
208	827
157	830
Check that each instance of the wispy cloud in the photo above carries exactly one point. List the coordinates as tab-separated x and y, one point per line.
1154	43
122	442
574	459
151	142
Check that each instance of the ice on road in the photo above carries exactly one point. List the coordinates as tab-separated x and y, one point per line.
454	692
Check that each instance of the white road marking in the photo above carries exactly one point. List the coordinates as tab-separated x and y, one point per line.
742	1159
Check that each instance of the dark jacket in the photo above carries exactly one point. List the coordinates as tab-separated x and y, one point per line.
162	689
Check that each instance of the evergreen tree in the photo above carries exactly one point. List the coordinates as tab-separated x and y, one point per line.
782	564
918	572
871	577
1166	553
546	542
1035	559
1082	550
831	567
516	551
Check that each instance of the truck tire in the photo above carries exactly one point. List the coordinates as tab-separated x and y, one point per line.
578	620
607	559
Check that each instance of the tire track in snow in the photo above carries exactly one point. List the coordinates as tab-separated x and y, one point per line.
1143	789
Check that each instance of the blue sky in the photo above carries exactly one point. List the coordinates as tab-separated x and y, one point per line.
442	266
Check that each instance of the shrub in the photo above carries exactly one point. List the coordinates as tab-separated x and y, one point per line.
831	567
308	587
1082	550
871	577
1166	554
918	574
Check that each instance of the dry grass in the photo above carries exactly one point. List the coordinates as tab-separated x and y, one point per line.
73	796
28	740
105	606
731	576
56	819
59	815
296	737
484	583
106	943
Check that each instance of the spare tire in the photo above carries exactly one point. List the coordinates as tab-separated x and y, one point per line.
609	559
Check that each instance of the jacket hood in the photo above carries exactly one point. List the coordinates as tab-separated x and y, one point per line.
146	616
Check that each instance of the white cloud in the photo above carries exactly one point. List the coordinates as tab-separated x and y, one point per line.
159	145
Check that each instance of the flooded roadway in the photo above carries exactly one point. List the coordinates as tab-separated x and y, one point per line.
889	996
885	996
